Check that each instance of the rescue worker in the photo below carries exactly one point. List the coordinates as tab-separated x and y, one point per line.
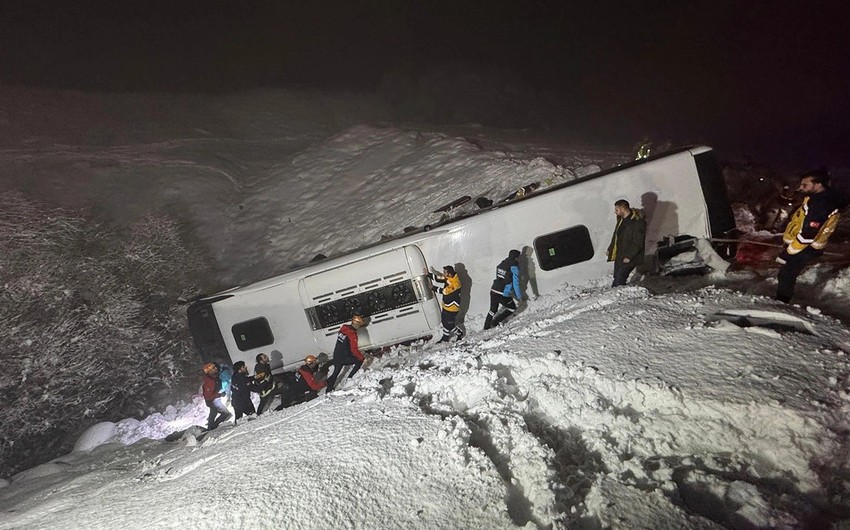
808	230
504	289
240	394
306	385
450	306
267	388
212	395
346	352
627	242
263	363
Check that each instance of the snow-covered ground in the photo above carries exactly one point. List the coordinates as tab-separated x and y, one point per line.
593	408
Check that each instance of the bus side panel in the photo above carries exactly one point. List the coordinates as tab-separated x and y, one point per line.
281	307
668	190
388	287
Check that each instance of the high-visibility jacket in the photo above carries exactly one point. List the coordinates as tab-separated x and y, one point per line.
813	222
450	291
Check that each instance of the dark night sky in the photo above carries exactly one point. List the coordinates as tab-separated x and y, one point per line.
748	77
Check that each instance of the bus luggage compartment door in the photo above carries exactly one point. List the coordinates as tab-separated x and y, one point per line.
390	288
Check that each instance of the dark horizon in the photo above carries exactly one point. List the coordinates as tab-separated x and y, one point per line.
754	80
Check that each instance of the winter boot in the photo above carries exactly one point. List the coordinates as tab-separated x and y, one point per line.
498	319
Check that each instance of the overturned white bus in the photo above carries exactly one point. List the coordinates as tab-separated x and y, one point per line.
563	232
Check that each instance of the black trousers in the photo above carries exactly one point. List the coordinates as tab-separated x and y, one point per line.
449	321
266	400
339	362
497	300
792	268
242	404
294	397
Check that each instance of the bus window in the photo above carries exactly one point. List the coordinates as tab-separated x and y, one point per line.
252	334
563	248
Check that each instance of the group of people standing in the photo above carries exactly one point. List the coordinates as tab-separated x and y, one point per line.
305	384
504	290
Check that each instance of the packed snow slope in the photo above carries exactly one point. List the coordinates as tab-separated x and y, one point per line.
596	407
593	408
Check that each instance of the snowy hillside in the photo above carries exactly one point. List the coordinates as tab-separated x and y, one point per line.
597	407
593	408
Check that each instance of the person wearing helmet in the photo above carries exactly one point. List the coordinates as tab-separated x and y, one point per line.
346	352
504	289
450	307
306	385
212	396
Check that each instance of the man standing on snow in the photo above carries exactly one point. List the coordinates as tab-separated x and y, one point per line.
450	291
808	230
627	242
212	395
346	352
240	394
504	289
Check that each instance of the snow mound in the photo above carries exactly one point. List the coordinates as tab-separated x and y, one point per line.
97	434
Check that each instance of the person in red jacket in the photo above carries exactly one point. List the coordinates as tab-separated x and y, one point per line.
212	395
346	352
306	384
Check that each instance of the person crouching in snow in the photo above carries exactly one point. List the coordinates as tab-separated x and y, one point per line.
240	394
306	385
212	395
346	352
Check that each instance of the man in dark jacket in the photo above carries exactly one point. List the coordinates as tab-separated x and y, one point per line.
241	384
263	364
306	384
268	389
627	242
504	289
346	352
808	230
212	395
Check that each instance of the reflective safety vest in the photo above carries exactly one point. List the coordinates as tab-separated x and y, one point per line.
811	225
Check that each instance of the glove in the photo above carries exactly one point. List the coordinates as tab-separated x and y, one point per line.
783	256
434	289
